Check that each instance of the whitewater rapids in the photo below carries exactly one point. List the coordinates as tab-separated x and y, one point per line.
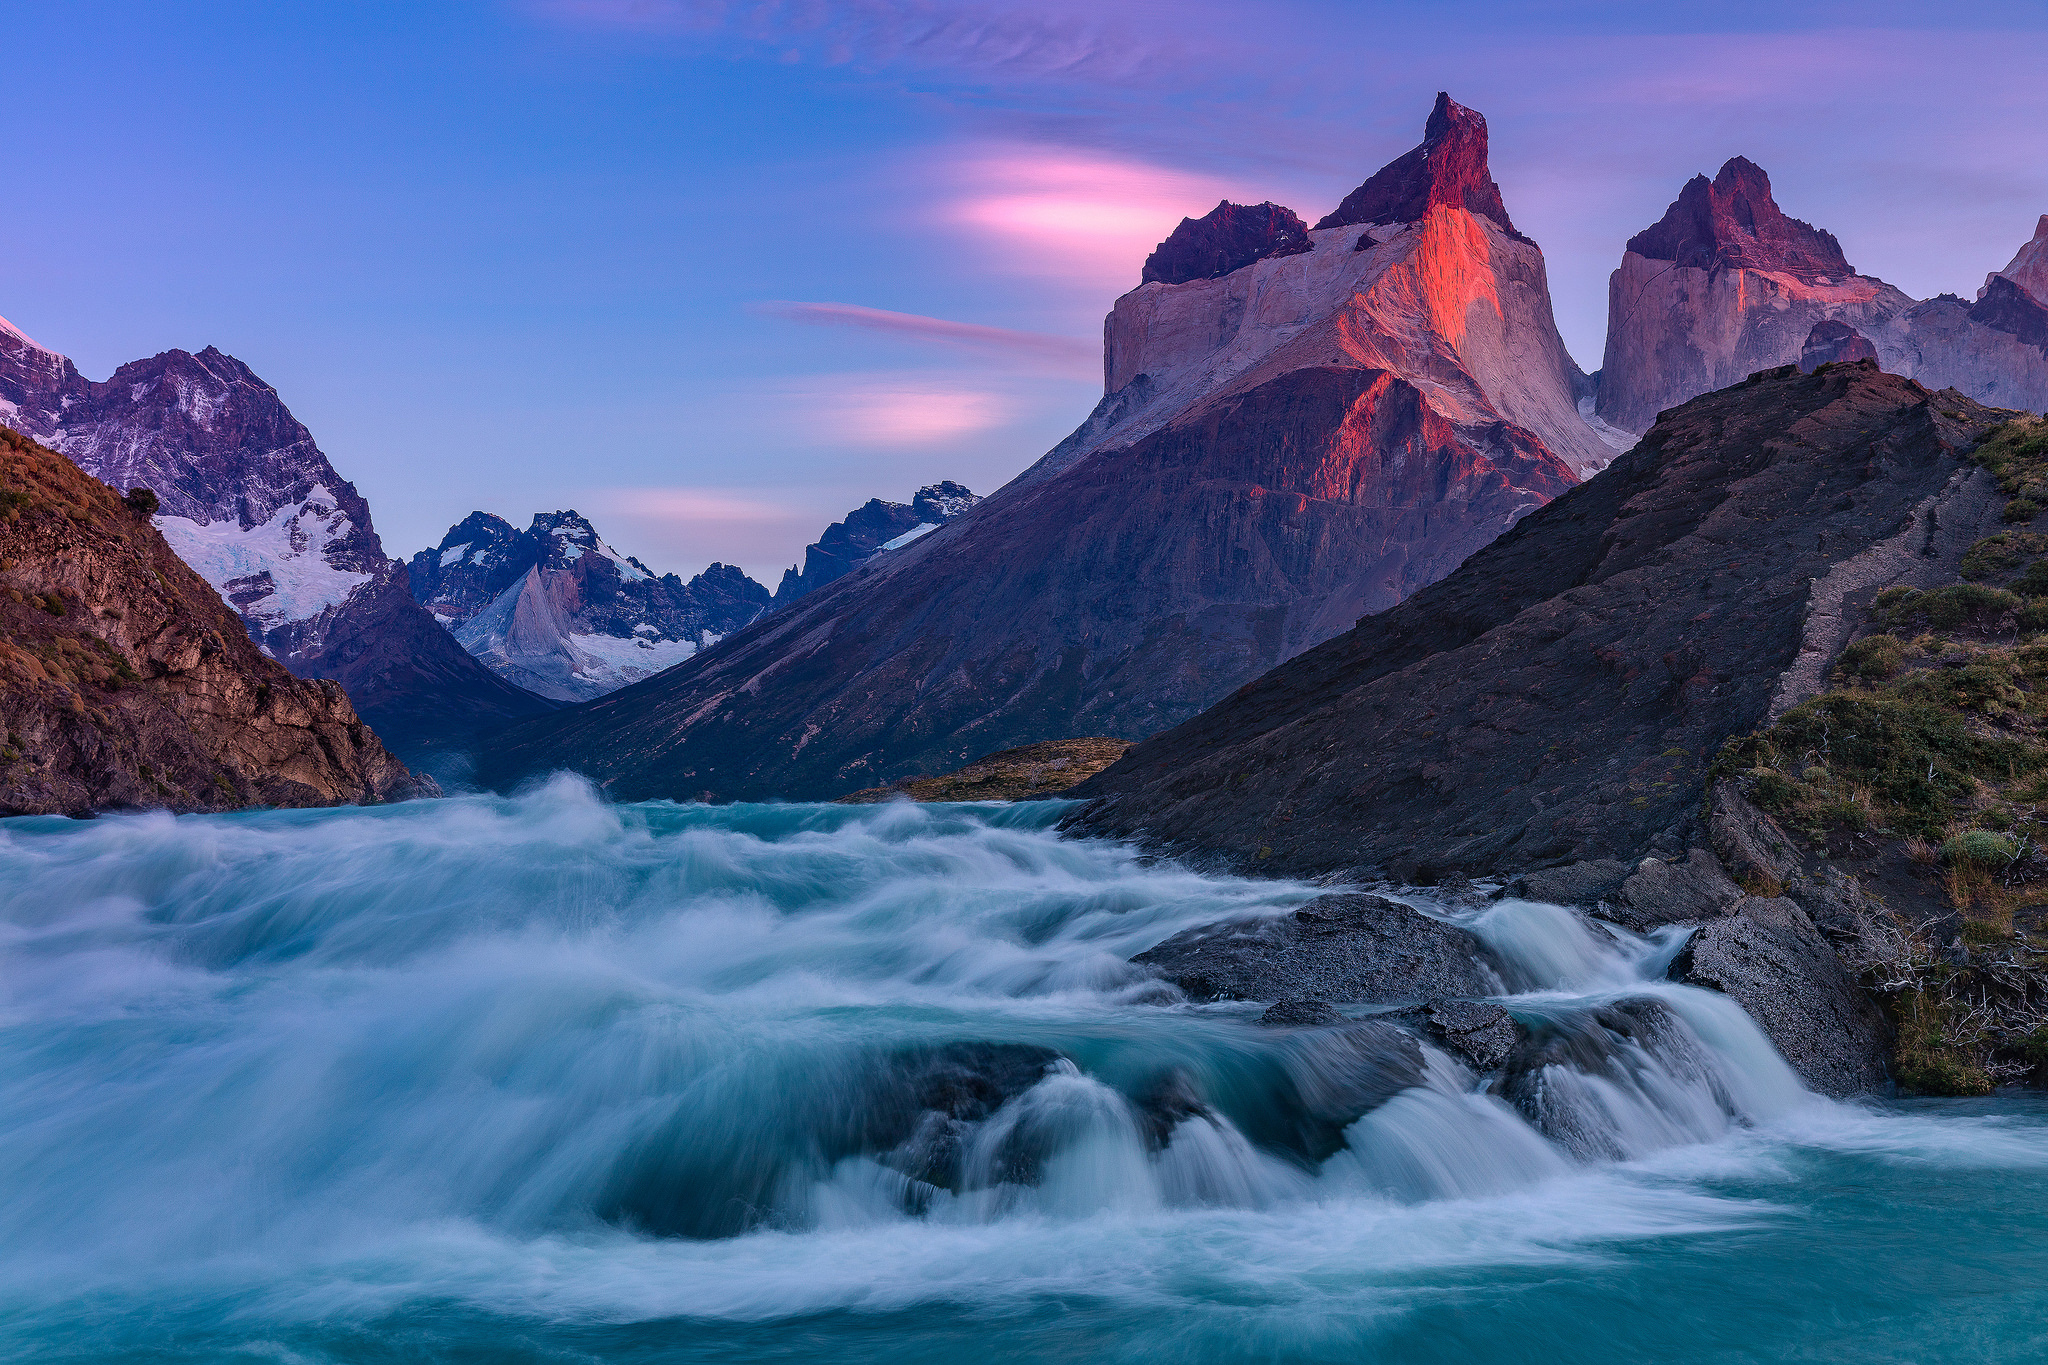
545	1078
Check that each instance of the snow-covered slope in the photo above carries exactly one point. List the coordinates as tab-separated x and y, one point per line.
558	611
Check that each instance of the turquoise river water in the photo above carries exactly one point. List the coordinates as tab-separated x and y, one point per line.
546	1079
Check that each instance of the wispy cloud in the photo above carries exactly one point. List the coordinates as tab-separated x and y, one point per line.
1066	355
1038	41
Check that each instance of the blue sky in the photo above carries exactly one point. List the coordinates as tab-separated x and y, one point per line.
670	262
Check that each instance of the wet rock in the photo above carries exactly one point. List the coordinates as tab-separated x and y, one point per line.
1770	959
1482	1032
1166	1103
1623	1045
1661	893
1327	1080
1349	947
1300	1014
1582	883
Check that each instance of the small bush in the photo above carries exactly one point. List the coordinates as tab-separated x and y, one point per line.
1979	848
1874	657
1952	606
2020	510
143	502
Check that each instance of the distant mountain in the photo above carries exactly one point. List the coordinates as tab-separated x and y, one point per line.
1725	285
126	682
557	611
867	531
249	501
1307	436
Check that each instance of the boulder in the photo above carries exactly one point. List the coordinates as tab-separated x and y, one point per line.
1582	883
1660	892
1481	1032
1770	959
1349	947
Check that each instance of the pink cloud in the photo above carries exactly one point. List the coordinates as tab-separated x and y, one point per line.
1075	215
1065	355
883	413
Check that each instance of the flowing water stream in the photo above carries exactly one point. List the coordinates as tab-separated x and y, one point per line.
546	1079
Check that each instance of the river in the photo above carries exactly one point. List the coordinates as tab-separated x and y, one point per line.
549	1079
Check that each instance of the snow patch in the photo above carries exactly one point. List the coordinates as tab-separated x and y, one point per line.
921	529
453	554
289	551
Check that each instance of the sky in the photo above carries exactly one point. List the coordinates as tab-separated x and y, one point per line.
714	272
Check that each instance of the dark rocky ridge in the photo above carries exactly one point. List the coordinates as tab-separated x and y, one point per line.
126	682
1733	222
1449	168
1228	237
1556	698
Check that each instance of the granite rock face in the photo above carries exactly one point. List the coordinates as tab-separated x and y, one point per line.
250	501
1725	285
1833	342
557	611
126	682
1226	238
1307	438
1556	699
1348	948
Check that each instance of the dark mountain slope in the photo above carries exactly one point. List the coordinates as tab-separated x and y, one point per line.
1557	697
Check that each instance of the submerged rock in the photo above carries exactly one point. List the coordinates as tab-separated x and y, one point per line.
1300	1014
1349	947
1327	1080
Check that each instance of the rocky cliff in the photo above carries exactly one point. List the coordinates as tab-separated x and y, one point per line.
250	502
1758	677
1309	436
870	529
126	682
1725	284
557	611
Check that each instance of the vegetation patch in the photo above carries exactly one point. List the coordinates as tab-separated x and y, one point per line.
2017	456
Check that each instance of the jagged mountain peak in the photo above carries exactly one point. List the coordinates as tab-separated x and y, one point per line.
2028	269
1733	222
1449	168
1226	238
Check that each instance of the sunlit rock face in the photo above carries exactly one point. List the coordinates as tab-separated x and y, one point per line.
1722	286
248	499
1834	343
1725	285
1307	437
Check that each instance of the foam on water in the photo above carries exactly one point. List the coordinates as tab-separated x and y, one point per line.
289	1083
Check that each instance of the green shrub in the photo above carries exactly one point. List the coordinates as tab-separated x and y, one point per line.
1979	848
1952	606
1875	657
2020	510
142	502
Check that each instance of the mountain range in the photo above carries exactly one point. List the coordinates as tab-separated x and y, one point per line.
1300	425
247	498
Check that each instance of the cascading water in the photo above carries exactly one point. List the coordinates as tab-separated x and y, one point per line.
546	1078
